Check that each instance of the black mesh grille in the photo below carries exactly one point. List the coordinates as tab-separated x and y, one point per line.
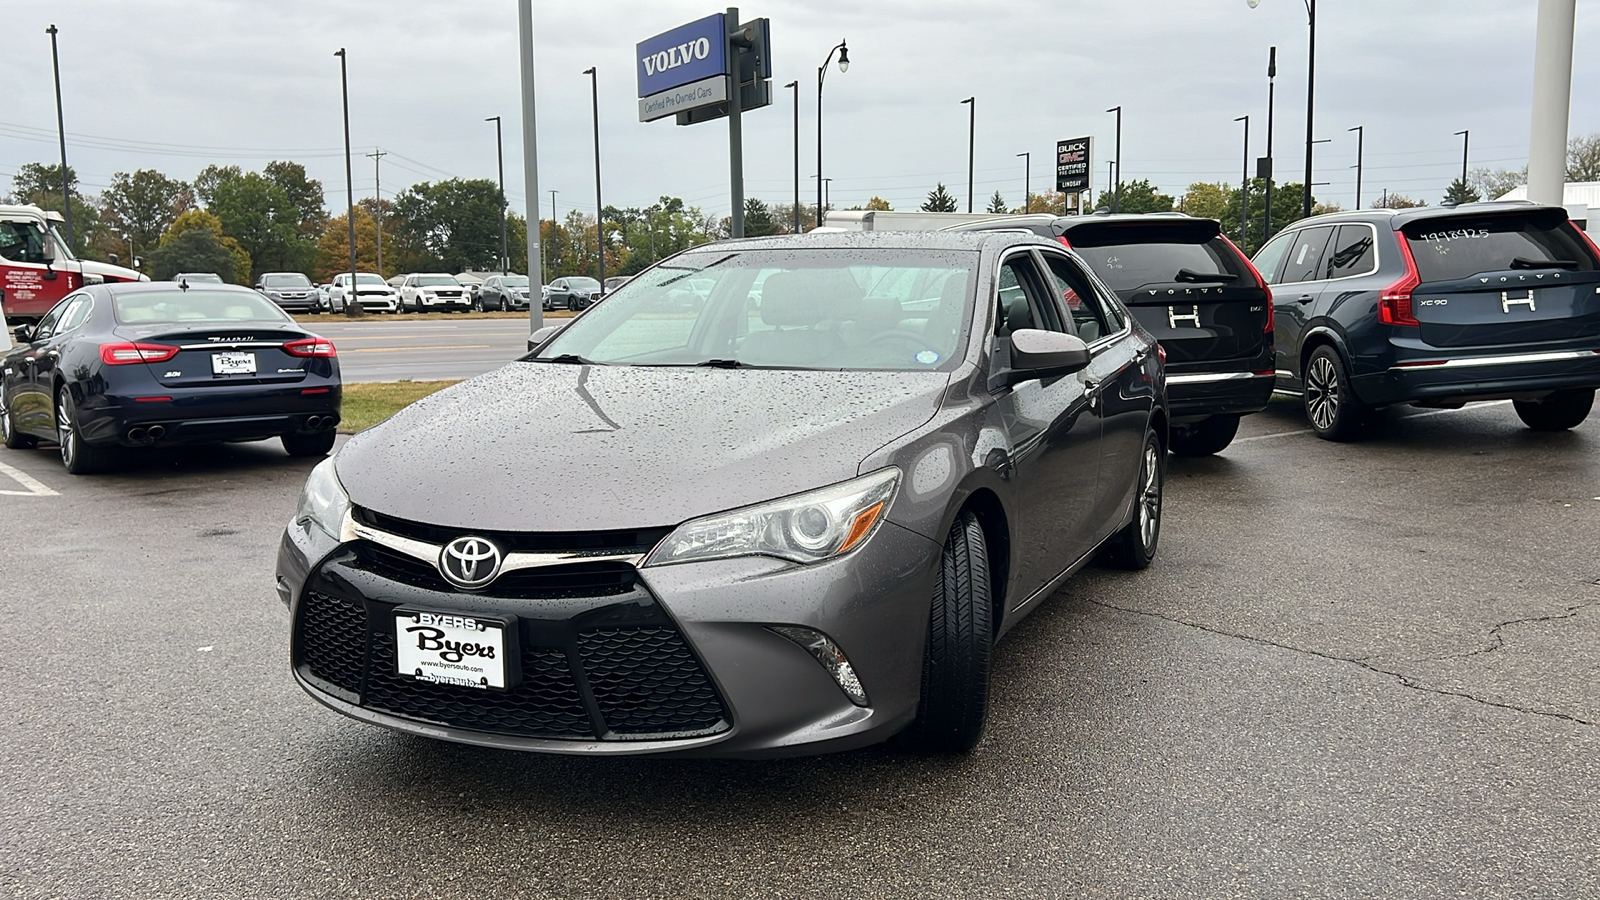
332	639
545	704
647	682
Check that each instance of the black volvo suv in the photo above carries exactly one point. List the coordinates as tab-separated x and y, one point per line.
1201	298
1436	307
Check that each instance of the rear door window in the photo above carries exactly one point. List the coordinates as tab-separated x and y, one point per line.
1452	249
1353	252
1305	255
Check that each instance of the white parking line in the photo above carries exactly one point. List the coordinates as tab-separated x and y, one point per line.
34	487
1431	412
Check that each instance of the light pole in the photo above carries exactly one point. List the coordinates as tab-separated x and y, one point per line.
972	131
61	132
1361	142
555	238
1027	182
500	160
377	206
530	155
826	191
599	208
796	86
1272	89
350	309
822	70
1311	89
1244	189
1465	136
1116	196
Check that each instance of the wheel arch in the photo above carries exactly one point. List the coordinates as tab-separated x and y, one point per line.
985	506
1321	336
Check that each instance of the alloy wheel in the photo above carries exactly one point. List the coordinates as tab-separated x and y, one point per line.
1322	393
1150	497
66	434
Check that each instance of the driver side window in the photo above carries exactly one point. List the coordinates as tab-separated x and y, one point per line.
47	325
1090	319
1021	299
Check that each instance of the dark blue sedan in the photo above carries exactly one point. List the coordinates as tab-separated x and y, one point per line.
159	363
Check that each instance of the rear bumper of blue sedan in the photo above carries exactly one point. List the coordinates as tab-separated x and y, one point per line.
200	415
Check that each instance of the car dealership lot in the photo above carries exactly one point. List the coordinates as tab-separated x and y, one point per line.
1360	670
391	349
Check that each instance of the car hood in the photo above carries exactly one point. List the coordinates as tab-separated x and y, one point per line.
554	447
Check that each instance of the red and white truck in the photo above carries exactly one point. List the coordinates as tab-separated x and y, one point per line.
37	268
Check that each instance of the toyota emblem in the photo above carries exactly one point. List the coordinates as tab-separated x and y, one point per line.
469	562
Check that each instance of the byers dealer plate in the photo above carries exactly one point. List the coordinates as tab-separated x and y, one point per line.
451	648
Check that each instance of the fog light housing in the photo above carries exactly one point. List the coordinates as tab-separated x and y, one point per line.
830	656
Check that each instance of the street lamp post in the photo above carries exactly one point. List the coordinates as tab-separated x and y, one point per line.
1311	90
350	309
599	208
1272	102
796	86
377	205
972	130
1465	136
1244	189
61	133
1361	142
822	70
1027	181
500	162
1116	194
555	238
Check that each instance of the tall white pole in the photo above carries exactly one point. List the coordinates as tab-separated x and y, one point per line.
1552	99
530	166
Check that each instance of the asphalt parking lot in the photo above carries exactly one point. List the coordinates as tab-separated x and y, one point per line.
1362	670
390	348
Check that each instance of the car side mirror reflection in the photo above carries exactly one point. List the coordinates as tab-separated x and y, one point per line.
1044	354
23	334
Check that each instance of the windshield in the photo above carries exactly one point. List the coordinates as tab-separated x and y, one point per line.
437	281
515	281
63	250
583	284
899	310
290	279
1456	248
193	305
363	278
1136	258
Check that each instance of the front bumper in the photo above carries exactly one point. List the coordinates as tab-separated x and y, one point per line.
1484	377
757	694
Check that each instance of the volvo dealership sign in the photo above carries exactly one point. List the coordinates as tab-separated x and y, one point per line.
686	54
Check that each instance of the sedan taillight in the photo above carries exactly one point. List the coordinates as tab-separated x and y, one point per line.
123	354
311	346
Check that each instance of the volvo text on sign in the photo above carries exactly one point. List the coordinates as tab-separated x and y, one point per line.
685	54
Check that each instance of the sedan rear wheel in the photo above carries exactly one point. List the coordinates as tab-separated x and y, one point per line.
955	661
1334	410
1558	412
13	438
79	456
1134	547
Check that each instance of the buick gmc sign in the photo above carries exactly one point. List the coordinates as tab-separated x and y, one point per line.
686	54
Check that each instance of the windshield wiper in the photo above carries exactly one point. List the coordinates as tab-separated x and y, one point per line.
1522	262
1191	275
570	358
722	364
694	271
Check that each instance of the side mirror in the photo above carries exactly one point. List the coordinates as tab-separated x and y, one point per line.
23	333
1044	354
542	335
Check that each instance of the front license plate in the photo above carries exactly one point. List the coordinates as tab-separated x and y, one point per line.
451	648
233	363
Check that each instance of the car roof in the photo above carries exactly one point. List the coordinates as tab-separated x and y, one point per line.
1399	218
883	240
116	288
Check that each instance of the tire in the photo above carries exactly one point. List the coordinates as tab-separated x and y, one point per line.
960	644
13	438
571	305
1134	547
309	444
78	456
1205	437
1558	412
1332	408
501	306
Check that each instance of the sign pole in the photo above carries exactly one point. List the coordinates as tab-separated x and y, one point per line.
530	165
735	132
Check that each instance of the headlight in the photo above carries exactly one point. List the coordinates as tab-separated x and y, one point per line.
430	295
324	500
805	528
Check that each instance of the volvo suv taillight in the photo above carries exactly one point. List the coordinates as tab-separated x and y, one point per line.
124	354
1260	282
311	346
1394	304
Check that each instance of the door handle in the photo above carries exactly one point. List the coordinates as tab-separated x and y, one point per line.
1304	298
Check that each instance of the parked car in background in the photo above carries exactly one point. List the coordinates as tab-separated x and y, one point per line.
615	282
473	282
197	278
425	291
395	283
504	292
573	292
943	442
1197	293
372	292
1437	307
325	301
153	364
292	291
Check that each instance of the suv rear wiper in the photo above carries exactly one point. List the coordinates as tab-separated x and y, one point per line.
1522	262
1192	276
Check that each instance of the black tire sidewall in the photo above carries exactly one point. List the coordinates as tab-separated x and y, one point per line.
958	650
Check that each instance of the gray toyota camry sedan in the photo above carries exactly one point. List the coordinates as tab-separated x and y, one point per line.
792	518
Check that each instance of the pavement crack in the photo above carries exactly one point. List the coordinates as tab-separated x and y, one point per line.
1497	640
1401	678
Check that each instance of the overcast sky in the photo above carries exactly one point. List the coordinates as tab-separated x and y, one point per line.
177	85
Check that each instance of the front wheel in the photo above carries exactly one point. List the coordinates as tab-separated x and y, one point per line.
1558	412
78	456
960	643
309	444
1334	410
1134	547
1205	437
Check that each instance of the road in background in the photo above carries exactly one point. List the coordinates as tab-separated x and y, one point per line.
392	349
